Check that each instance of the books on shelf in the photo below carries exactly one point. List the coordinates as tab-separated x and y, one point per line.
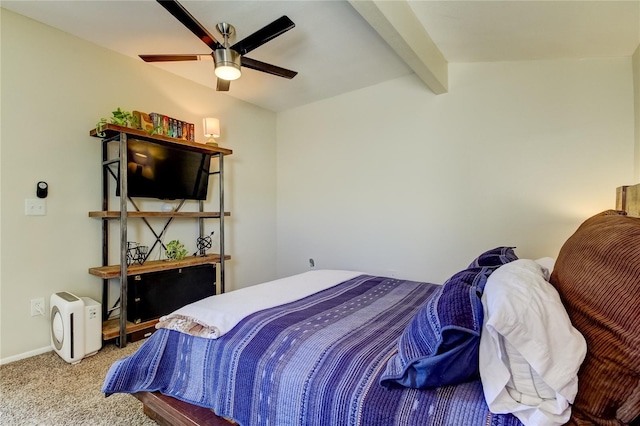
172	127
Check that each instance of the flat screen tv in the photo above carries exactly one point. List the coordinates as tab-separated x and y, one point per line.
165	172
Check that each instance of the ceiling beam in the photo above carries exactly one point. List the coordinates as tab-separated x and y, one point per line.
398	25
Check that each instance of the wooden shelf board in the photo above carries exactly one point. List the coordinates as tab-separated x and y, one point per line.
116	214
113	271
111	328
111	130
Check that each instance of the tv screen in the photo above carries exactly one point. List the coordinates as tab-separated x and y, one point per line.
165	172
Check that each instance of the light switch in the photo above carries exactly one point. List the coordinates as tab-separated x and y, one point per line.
35	207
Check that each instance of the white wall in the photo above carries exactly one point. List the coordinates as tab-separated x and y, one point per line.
394	178
55	87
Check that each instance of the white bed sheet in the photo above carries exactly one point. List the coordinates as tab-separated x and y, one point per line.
214	316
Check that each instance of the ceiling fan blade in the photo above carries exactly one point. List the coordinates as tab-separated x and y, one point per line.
170	58
268	68
182	15
223	85
263	35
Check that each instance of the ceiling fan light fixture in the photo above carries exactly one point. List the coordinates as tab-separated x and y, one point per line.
227	64
227	58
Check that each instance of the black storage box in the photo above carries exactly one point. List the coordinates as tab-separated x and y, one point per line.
154	294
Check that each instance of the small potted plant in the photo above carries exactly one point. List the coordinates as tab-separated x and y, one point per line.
175	250
119	117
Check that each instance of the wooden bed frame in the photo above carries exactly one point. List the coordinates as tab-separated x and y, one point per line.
628	199
168	411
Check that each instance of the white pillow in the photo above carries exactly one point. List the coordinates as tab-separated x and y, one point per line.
529	351
547	264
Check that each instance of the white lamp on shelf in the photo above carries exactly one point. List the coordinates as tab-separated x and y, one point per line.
211	130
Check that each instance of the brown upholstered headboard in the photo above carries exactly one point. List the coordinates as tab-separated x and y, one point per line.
628	199
597	274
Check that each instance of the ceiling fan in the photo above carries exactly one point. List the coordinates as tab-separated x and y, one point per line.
227	59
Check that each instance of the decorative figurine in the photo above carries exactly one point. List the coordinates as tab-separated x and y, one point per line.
136	253
203	243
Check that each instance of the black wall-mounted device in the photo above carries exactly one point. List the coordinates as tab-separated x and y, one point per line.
42	189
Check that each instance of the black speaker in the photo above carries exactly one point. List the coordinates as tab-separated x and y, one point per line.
154	294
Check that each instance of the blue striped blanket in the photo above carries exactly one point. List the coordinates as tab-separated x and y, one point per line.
315	361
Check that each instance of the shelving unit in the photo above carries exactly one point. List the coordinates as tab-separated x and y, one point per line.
121	328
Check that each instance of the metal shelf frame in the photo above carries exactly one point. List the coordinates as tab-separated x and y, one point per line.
120	135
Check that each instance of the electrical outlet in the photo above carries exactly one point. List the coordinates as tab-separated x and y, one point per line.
37	307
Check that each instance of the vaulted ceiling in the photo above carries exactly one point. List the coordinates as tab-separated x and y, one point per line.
339	46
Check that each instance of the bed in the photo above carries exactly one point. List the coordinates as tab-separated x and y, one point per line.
505	341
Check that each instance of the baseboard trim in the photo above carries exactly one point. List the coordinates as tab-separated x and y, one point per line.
24	355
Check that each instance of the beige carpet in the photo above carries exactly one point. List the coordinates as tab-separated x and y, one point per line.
45	390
